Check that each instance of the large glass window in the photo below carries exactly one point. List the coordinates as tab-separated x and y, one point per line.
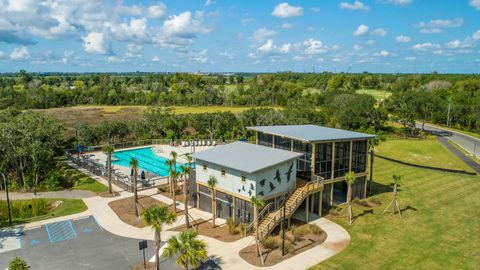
359	156
265	139
283	143
304	164
342	156
323	161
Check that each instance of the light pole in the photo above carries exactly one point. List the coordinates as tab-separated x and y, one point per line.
448	111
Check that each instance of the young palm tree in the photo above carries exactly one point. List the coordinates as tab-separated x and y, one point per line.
108	150
189	251
171	164
212	182
174	176
156	216
173	167
257	203
350	178
134	165
396	181
186	177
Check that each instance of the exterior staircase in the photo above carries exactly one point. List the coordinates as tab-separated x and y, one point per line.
269	219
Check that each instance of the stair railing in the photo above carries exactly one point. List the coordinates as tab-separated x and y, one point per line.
261	216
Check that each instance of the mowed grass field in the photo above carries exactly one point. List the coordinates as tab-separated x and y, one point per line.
71	116
440	228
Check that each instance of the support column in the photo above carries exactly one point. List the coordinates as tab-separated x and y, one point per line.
350	158
331	195
273	141
314	157
365	191
306	208
256	137
333	161
372	158
234	205
320	199
312	204
198	197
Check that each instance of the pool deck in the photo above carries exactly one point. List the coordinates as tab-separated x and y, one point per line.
160	150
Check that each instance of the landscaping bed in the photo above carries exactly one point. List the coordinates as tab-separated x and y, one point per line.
297	240
220	233
125	209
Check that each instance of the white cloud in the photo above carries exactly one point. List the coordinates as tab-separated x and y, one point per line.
458	44
379	32
403	39
357	47
67	55
314	46
410	58
315	9
269	48
284	10
20	53
136	29
157	11
437	25
1	55
261	34
209	2
183	25
398	2
229	56
475	4
96	42
383	53
134	48
476	35
361	30
425	46
155	59
287	26
357	5
370	42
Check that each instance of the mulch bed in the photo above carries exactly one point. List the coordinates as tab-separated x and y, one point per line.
204	227
125	209
272	257
107	194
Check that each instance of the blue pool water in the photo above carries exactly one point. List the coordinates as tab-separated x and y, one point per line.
147	160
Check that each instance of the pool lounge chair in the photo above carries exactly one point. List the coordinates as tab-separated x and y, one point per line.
209	143
214	143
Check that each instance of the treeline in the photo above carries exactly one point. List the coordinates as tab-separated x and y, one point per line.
348	110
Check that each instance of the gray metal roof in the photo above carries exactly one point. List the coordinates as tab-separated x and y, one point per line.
311	133
245	157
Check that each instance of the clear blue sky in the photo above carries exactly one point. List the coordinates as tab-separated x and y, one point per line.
221	35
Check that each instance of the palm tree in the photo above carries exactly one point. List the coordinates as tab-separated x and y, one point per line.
186	177
134	165
173	167
156	216
171	164
257	203
189	251
212	182
350	178
174	176
108	150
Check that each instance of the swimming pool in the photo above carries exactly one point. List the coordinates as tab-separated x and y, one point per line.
147	160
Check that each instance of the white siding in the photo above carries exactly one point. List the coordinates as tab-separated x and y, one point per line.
232	181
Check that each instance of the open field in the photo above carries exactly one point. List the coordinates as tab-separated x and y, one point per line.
72	116
379	95
440	228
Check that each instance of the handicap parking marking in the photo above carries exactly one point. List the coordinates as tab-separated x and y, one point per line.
60	231
34	242
87	230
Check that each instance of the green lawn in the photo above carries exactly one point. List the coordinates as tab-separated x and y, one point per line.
440	228
82	181
379	95
68	207
422	152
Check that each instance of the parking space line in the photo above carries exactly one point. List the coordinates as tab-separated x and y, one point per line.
19	234
73	230
101	228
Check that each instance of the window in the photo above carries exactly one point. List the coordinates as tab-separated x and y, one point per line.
342	157
265	139
223	173
204	167
323	162
283	143
244	180
359	156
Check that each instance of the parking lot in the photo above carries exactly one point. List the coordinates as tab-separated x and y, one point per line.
75	244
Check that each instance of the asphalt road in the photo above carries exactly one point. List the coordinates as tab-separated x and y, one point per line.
469	143
79	244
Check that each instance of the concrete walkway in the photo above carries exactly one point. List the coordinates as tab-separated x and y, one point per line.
68	194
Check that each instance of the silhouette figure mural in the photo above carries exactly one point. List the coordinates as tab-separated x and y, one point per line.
289	172
262	182
277	176
272	187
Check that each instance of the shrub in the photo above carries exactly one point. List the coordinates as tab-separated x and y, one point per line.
232	227
289	247
163	188
315	229
18	264
375	200
299	232
269	243
54	181
20	208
